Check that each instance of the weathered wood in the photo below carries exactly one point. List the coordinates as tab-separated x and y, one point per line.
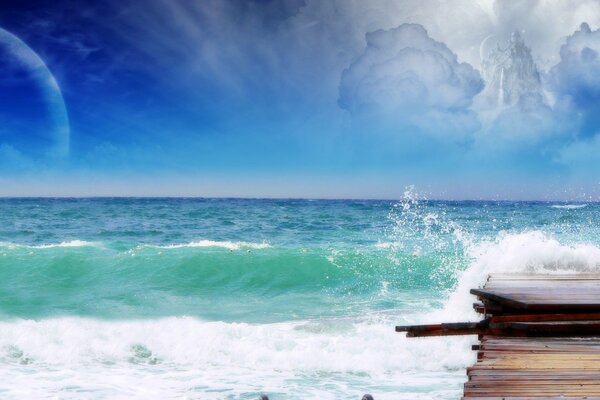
446	329
561	366
545	317
499	298
508	328
479	307
540	338
531	398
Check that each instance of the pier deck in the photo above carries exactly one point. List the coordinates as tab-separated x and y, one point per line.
540	337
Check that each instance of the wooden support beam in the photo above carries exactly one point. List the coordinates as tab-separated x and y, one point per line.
446	329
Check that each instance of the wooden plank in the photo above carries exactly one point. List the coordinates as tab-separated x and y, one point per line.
535	275
498	298
475	397
570	369
570	328
536	368
509	328
540	337
545	317
445	329
570	301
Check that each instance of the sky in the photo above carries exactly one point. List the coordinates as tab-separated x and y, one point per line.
301	98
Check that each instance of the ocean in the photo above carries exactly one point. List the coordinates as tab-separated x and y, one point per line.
125	298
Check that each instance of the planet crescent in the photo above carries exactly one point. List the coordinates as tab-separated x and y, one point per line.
483	42
50	89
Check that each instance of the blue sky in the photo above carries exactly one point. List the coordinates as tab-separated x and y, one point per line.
302	98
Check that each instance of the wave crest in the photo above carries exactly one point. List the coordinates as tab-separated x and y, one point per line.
526	252
568	206
69	243
214	243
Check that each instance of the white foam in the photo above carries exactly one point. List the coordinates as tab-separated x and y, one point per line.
568	206
172	357
530	251
71	243
230	245
224	244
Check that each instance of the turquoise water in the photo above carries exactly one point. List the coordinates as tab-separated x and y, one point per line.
228	298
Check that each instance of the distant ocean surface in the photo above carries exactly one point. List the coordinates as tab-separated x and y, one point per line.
227	299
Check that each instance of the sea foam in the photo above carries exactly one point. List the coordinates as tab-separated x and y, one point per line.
69	243
214	243
527	252
568	206
178	356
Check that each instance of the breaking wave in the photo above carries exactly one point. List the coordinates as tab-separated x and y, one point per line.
568	206
224	244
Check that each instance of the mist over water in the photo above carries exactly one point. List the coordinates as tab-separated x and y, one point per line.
201	298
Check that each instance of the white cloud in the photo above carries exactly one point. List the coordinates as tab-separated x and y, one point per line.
544	23
577	75
575	82
405	75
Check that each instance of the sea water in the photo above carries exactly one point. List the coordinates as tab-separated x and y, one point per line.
230	298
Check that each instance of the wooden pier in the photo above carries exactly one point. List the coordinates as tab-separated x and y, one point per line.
539	338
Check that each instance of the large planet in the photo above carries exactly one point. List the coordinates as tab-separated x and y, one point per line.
33	115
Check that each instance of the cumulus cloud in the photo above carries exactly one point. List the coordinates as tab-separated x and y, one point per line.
576	74
575	80
406	75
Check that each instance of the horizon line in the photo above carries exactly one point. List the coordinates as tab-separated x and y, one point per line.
151	197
